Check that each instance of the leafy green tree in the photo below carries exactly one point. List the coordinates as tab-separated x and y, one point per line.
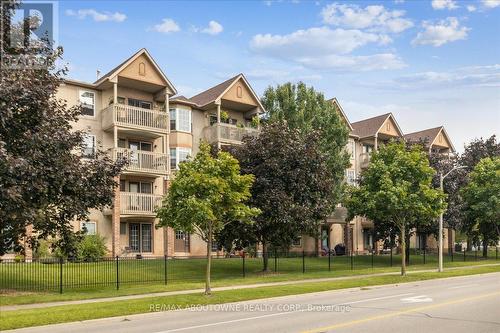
482	195
207	193
474	152
305	109
91	248
396	189
292	187
44	185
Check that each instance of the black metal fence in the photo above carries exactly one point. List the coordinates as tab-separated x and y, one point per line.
54	274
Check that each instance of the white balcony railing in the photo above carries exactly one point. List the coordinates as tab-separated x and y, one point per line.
139	203
142	161
134	117
364	160
228	133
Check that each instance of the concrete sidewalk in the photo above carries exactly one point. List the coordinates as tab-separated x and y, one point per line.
195	291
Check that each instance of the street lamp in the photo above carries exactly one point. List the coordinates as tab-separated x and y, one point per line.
440	254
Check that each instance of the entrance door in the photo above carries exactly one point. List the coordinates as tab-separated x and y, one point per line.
325	239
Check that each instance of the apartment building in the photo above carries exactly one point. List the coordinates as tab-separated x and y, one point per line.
366	136
132	112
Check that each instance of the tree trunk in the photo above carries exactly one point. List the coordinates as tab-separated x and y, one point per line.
469	244
407	250
403	250
208	290
265	257
485	248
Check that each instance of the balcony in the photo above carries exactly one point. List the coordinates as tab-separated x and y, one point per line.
230	134
142	161
364	160
139	203
135	118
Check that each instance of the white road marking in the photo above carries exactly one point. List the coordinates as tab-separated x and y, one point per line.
273	314
417	299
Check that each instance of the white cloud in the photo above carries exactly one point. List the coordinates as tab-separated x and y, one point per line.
97	16
444	4
167	26
325	48
491	3
479	76
375	18
214	28
383	61
471	8
444	31
321	41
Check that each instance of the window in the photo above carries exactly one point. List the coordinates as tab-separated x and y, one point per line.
122	186
351	148
367	149
140	104
140	187
182	241
297	241
368	239
215	248
239	92
180	120
88	227
87	101
142	69
178	155
88	146
351	177
140	237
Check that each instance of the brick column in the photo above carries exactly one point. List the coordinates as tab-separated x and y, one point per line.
28	251
115	221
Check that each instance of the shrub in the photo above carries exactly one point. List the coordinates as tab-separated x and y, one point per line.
42	250
91	248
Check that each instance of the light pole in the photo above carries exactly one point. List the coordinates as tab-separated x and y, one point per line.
440	254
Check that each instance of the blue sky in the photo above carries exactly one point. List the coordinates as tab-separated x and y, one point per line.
431	63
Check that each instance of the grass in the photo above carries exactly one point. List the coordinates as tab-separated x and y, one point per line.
98	280
69	313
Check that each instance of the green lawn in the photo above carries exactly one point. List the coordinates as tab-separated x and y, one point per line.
95	280
68	313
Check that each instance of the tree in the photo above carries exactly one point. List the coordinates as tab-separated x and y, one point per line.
306	110
44	185
292	187
474	152
207	193
396	189
482	195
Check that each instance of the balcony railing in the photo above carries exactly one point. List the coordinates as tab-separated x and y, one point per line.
228	133
134	117
139	203
364	160
142	161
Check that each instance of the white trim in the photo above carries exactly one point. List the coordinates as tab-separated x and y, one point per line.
189	152
335	101
390	115
241	76
89	222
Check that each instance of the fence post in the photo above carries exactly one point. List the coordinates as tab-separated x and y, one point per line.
329	260
243	257
117	274
275	262
165	269
352	260
303	261
61	275
391	256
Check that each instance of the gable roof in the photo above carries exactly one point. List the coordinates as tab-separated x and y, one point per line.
429	136
215	93
369	127
128	61
342	113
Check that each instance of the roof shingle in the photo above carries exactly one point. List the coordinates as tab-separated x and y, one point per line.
369	127
210	95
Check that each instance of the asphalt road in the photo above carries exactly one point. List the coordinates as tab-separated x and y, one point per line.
463	304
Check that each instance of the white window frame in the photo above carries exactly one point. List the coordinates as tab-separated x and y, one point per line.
80	93
178	150
84	146
351	148
350	180
82	224
177	112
